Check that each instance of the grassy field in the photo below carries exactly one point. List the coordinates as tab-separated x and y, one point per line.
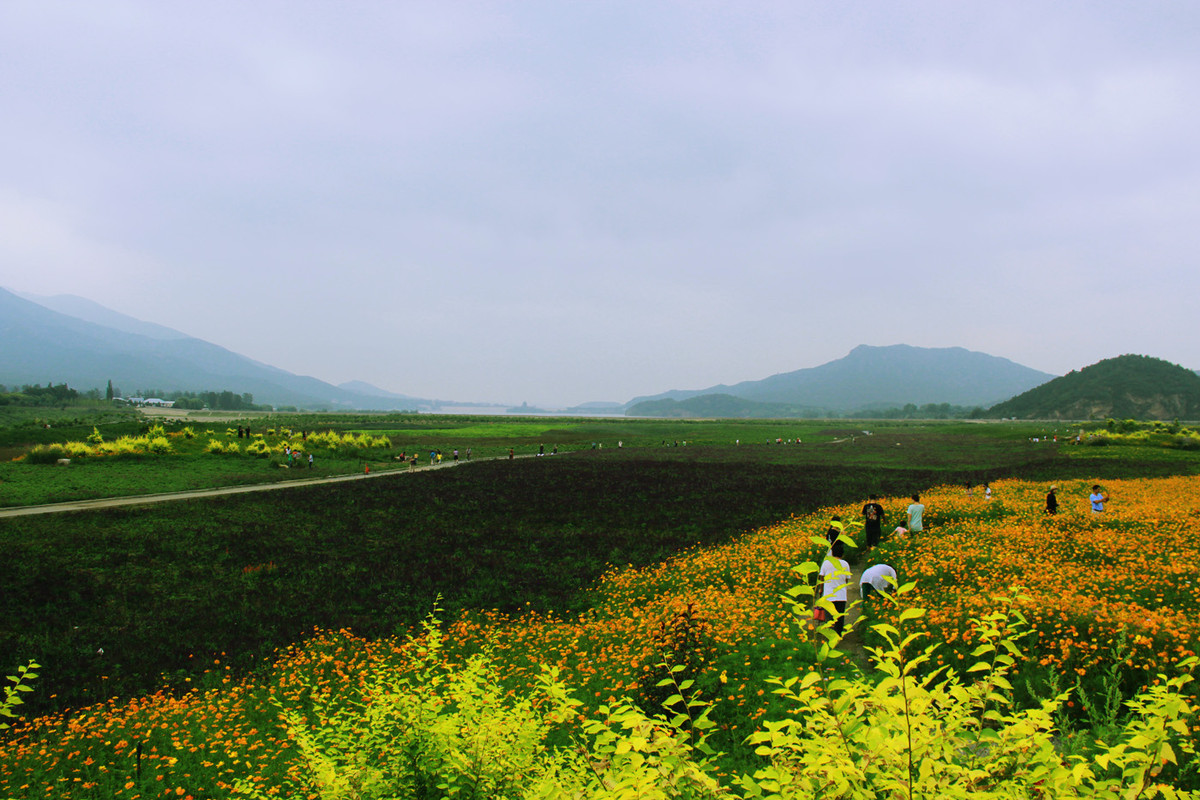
202	593
972	451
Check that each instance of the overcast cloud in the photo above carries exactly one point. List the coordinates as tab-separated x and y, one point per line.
564	202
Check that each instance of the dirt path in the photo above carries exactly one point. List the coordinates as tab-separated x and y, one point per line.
166	497
852	641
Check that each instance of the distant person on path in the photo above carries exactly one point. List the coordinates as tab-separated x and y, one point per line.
310	460
987	492
468	454
916	514
432	457
510	454
1052	501
456	454
879	579
873	517
541	449
835	576
1097	499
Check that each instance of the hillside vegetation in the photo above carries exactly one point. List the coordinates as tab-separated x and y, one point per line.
1125	387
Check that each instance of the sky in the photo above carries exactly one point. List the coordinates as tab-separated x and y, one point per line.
558	203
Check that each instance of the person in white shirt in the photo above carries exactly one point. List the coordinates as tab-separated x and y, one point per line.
916	514
835	577
879	579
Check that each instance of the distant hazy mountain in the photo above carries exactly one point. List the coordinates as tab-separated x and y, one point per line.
885	377
724	406
367	390
42	345
90	311
1125	387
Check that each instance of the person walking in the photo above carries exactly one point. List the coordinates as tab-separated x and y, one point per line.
916	515
835	577
836	529
1052	501
873	518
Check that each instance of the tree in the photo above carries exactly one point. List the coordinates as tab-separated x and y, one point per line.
108	393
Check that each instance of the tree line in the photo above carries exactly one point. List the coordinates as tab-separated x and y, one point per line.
61	394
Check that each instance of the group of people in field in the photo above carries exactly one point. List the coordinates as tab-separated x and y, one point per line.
880	578
834	575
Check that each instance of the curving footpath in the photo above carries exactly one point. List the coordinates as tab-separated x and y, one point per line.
165	497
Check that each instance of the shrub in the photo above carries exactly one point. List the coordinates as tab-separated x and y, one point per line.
431	729
159	445
46	454
78	449
95	437
427	727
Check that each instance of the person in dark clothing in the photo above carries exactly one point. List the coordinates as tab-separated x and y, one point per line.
1052	501
873	518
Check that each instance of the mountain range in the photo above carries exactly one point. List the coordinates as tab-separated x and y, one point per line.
881	377
74	340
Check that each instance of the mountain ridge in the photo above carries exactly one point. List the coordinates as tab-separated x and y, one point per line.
1123	387
884	376
46	345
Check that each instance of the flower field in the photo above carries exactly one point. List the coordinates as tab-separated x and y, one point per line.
1120	588
1098	591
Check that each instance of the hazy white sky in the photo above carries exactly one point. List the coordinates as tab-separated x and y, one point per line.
562	202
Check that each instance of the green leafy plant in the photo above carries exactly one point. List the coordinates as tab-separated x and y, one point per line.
429	728
918	733
12	694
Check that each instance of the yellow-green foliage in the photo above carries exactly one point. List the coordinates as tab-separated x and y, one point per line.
429	729
78	449
95	437
258	447
349	441
432	729
220	446
134	445
12	694
936	736
189	432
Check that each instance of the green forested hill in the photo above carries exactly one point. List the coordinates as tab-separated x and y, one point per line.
1125	387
